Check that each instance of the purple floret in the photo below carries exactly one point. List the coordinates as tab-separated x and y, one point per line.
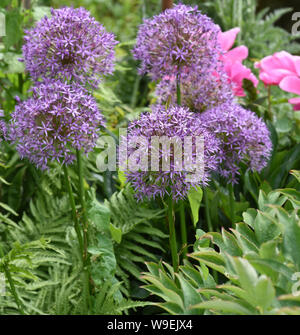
177	40
174	122
58	119
71	45
244	138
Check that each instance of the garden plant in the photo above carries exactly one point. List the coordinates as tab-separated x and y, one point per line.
149	158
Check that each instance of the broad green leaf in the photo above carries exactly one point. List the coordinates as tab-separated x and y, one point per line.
195	197
291	239
266	227
265	292
190	294
99	214
247	277
116	233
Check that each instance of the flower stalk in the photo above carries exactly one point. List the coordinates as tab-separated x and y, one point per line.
73	207
173	243
181	206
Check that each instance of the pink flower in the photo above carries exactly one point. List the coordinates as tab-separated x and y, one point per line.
237	72
232	60
278	66
292	84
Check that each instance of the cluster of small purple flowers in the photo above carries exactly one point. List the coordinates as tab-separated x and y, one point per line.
71	45
245	138
57	119
179	47
199	90
177	123
178	40
63	54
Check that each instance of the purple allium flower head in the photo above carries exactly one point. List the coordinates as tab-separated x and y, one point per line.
199	90
55	121
71	45
244	137
175	123
178	39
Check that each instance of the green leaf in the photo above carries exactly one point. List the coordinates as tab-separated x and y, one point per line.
223	306
6	207
296	174
39	12
190	294
122	178
13	63
99	214
104	266
291	194
210	258
116	233
265	292
291	239
266	227
195	197
247	277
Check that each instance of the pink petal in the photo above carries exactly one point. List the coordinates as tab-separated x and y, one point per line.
227	38
287	60
237	72
296	103
280	60
290	84
266	78
297	65
237	54
277	75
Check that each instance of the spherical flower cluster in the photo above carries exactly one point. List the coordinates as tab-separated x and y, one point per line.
70	45
175	123
199	91
57	119
244	138
178	39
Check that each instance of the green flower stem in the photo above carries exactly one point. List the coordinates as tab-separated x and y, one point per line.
82	203
73	207
181	206
178	90
231	202
86	274
12	285
183	228
173	244
83	252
